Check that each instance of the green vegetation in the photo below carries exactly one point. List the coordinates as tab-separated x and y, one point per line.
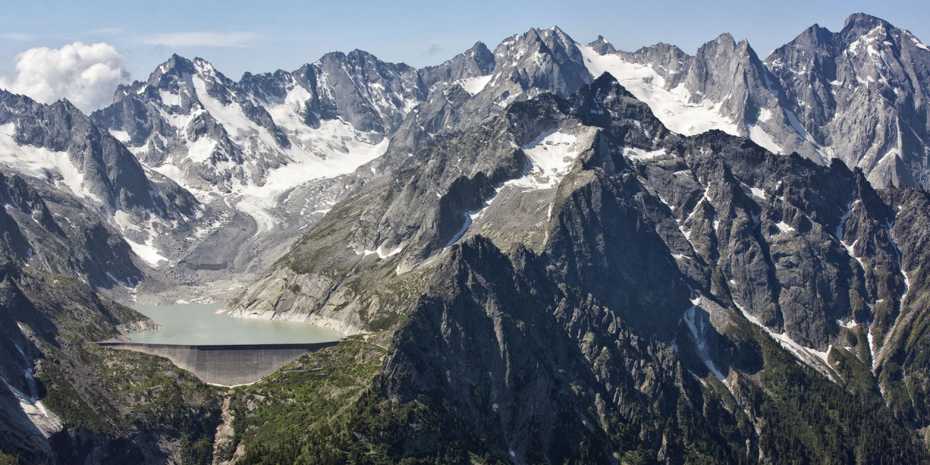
300	414
104	394
906	374
811	420
113	393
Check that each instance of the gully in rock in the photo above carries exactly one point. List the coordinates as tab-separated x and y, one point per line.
545	251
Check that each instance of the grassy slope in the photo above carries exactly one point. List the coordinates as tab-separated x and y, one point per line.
300	414
110	395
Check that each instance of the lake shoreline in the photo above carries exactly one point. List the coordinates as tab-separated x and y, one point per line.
185	323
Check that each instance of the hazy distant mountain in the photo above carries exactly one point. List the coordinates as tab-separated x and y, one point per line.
544	252
859	95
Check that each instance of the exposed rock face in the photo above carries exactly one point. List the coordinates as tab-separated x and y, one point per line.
859	95
74	207
62	400
862	94
473	63
53	233
558	256
539	386
85	191
284	143
194	124
673	237
101	169
272	152
499	363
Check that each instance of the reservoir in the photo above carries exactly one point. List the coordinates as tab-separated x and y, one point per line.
200	324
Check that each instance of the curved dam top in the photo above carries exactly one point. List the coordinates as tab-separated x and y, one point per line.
219	349
225	365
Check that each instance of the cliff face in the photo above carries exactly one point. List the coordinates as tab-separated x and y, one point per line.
64	400
537	263
666	299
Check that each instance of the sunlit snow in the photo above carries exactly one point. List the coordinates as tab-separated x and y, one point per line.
474	85
552	156
42	163
673	107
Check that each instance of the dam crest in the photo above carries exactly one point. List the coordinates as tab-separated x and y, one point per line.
226	364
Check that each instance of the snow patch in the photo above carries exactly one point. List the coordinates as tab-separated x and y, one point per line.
121	136
169	98
42	163
147	252
46	421
764	140
381	252
474	85
917	43
698	328
201	149
784	228
289	114
231	116
634	153
811	357
552	155
125	222
673	107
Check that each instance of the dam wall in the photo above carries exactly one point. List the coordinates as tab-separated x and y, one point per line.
224	365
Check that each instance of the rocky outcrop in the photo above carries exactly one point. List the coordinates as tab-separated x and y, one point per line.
101	170
708	238
861	93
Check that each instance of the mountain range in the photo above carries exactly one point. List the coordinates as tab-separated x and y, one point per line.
548	252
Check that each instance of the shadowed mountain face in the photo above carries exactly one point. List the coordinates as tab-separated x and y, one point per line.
548	252
584	277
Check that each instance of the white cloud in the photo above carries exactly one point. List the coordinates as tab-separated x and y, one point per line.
203	39
85	74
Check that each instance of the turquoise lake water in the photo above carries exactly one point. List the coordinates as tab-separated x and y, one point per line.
200	324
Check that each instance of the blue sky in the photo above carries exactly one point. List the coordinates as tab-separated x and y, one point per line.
266	35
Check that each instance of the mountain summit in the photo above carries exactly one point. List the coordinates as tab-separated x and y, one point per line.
543	251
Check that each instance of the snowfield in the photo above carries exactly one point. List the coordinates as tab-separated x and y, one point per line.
673	107
39	162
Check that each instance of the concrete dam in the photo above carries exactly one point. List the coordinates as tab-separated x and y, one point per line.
224	365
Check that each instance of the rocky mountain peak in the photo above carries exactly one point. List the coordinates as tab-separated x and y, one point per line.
715	66
359	56
813	38
541	60
480	52
601	45
556	39
168	75
550	41
723	41
605	89
176	64
861	23
473	63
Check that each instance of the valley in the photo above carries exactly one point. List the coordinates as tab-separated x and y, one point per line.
546	252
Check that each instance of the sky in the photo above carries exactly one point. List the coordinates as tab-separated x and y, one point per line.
260	36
